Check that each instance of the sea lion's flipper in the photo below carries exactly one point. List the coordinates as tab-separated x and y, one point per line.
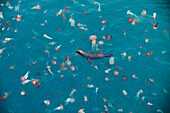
89	60
109	52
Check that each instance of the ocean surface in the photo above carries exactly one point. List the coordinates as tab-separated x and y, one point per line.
28	46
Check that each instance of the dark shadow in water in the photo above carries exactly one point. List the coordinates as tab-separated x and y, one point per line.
165	5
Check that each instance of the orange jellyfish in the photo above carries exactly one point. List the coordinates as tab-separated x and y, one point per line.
104	22
93	39
72	68
130	19
4	96
7	23
116	73
81	111
104	100
149	54
124	32
58	29
18	18
85	99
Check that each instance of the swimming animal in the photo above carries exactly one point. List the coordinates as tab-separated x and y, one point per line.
92	55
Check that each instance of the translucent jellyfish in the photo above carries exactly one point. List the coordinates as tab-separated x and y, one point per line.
124	78
93	39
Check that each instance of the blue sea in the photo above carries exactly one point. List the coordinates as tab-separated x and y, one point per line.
28	46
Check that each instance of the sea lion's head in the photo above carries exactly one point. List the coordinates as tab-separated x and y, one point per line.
79	52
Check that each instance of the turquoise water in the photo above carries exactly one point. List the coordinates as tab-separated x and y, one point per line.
23	50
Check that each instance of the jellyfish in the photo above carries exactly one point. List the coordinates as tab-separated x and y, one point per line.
81	111
85	99
93	39
124	78
4	96
111	60
85	12
65	9
58	47
18	18
1	50
116	73
49	69
47	102
62	65
61	107
1	16
104	22
64	17
149	54
108	37
130	13
154	16
72	68
38	73
99	9
23	93
38	7
17	7
45	35
72	21
143	13
68	62
130	19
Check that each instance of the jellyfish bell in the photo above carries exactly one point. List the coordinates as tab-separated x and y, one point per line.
88	85
56	48
34	81
81	111
124	78
85	12
72	68
54	62
149	54
78	24
65	57
18	19
37	84
47	102
62	65
104	100
72	100
65	9
130	19
23	83
93	39
108	36
22	79
155	26
61	76
106	79
38	7
68	62
116	73
62	107
104	22
143	13
3	97
23	93
71	19
38	73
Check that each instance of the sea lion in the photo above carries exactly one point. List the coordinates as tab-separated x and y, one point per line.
92	55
